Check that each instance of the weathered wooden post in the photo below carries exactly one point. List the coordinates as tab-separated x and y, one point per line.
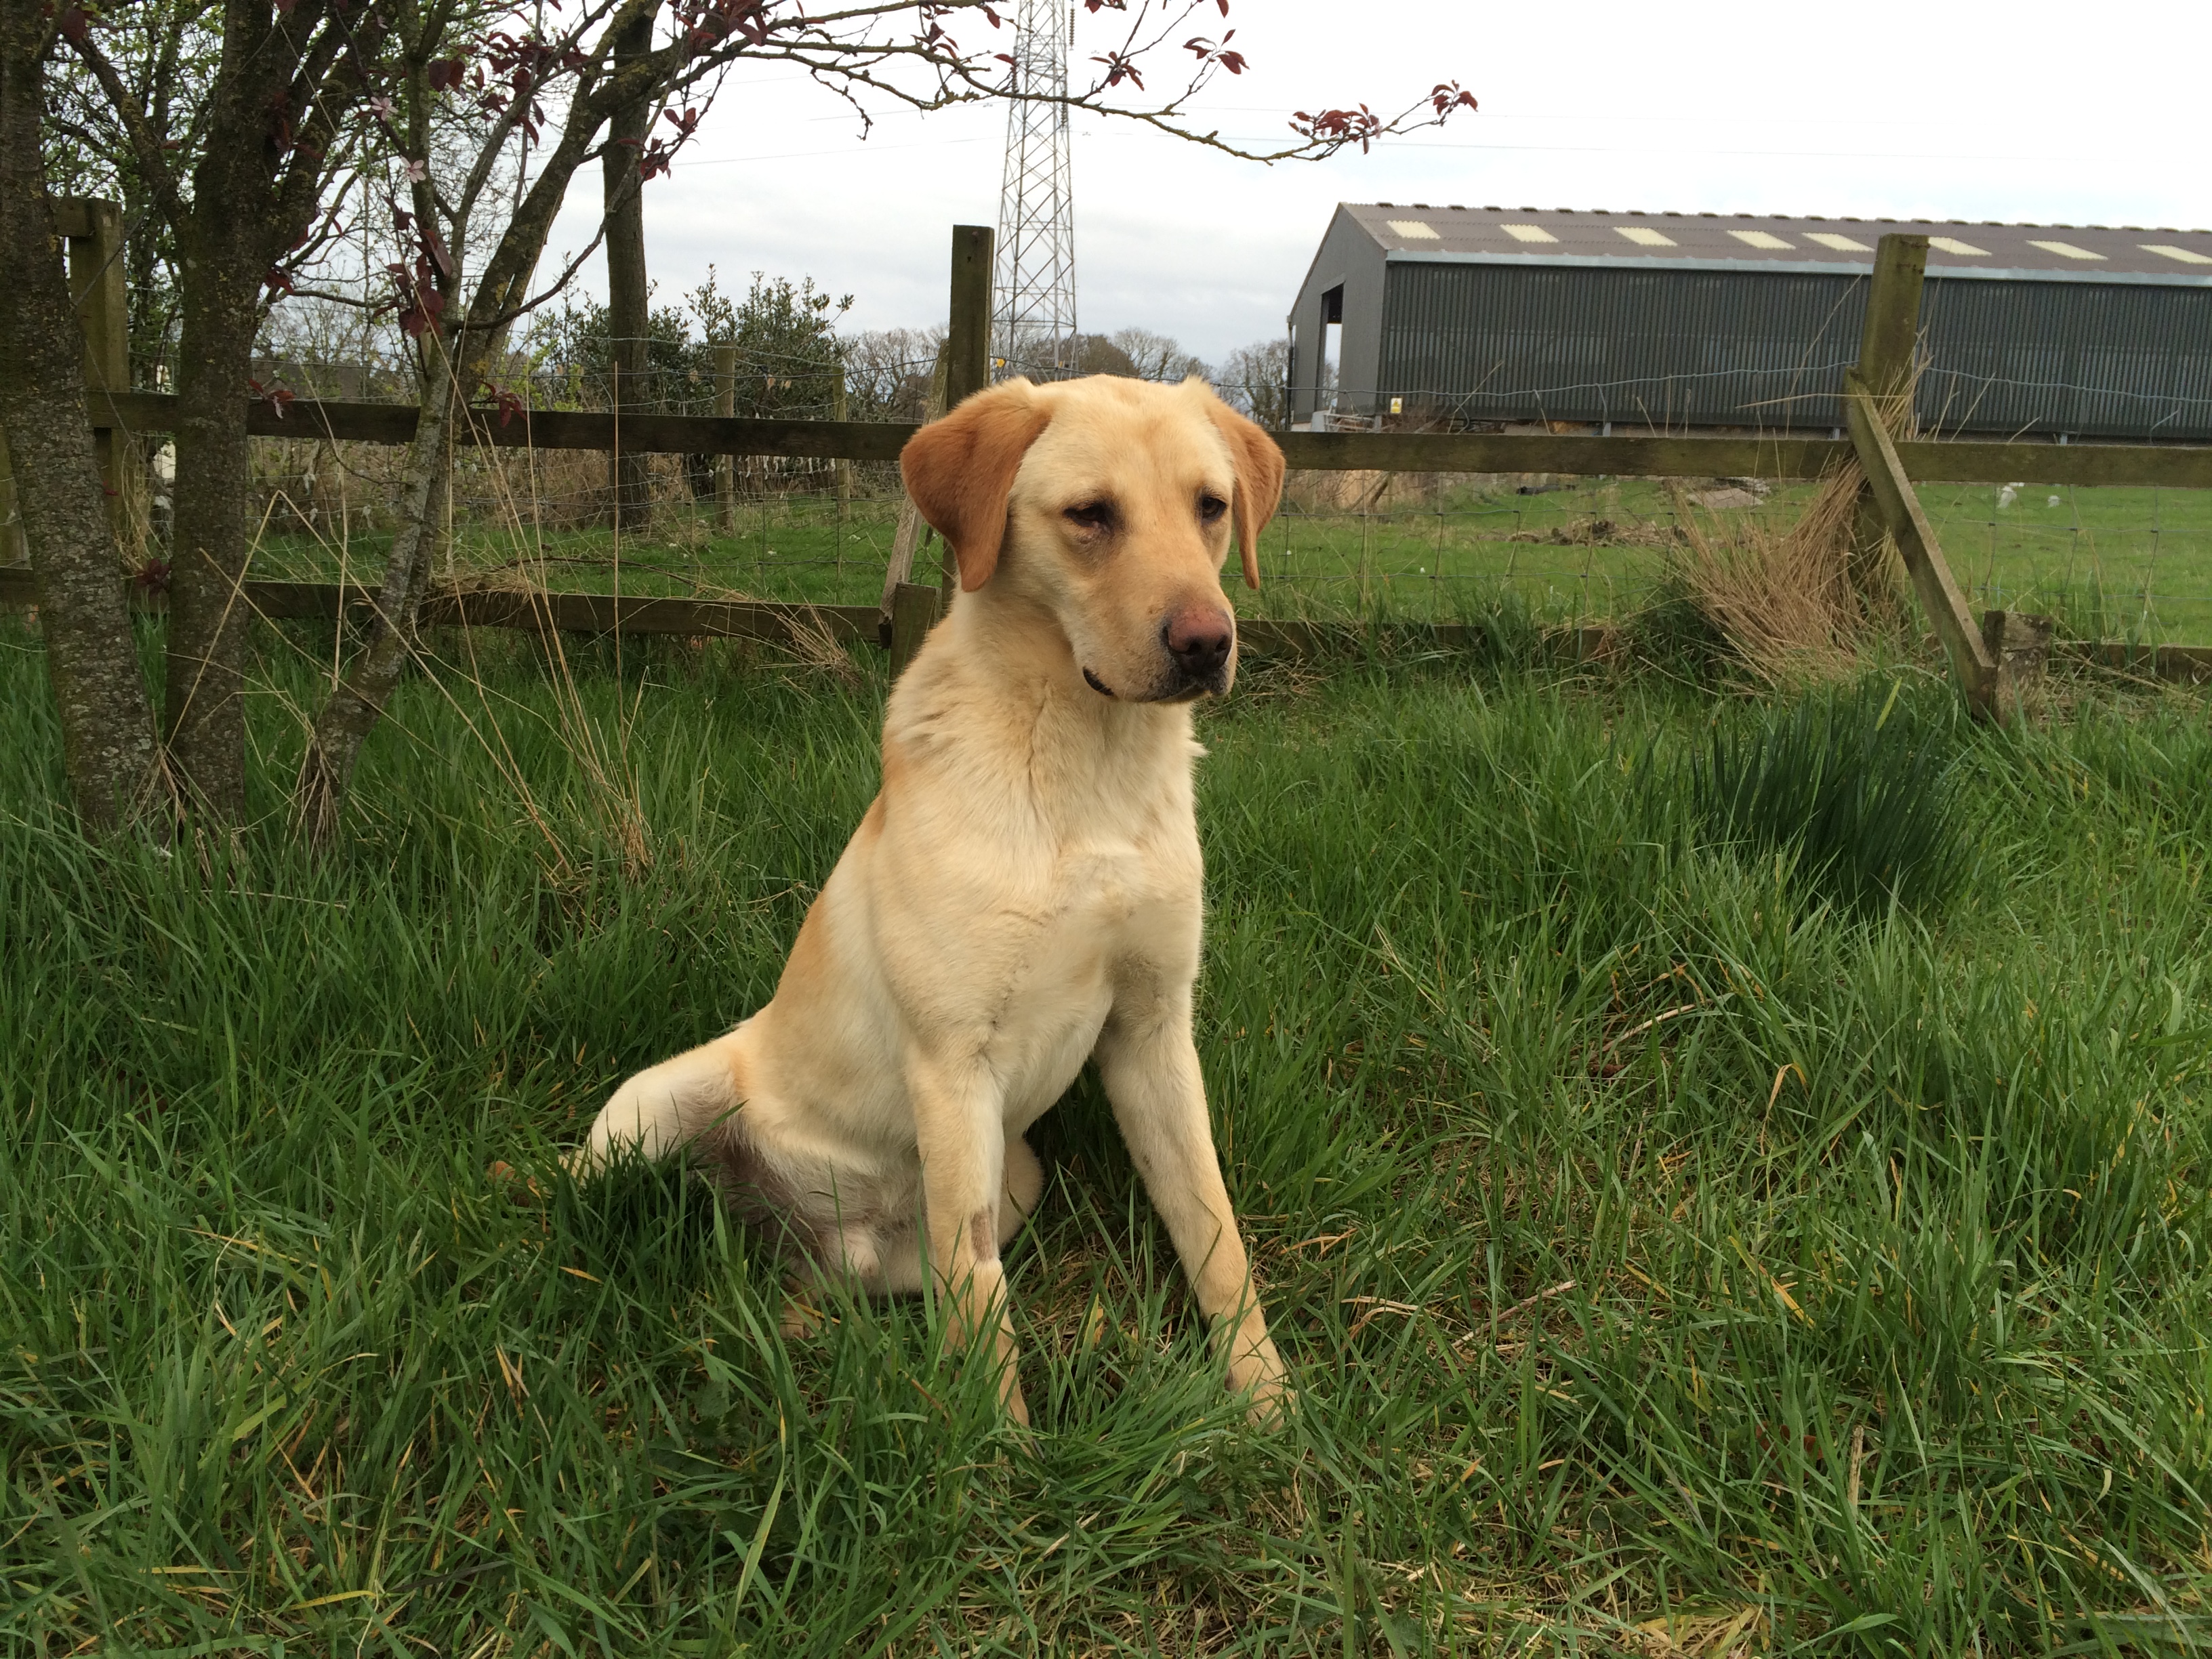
725	466
967	344
1888	338
840	410
842	473
964	368
2022	646
1879	390
914	613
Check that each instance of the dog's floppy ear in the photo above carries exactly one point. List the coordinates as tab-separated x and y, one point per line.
1259	463
960	470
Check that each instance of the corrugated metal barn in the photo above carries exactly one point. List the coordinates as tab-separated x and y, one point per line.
1467	315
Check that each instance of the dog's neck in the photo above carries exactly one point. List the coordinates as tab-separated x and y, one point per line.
999	651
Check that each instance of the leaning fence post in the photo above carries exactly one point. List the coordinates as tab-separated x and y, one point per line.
1899	504
725	466
967	342
1878	408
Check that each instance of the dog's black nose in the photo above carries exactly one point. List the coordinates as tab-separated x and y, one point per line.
1199	640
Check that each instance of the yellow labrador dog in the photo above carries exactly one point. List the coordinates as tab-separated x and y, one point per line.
1025	893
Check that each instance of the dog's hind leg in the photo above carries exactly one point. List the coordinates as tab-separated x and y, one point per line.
893	1260
664	1107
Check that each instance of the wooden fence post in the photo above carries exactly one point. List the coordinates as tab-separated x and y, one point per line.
1892	332
725	466
1887	341
914	613
2020	646
967	343
840	409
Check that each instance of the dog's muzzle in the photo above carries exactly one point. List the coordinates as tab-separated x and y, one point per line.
1198	643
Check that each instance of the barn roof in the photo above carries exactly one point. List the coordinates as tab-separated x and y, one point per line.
1735	241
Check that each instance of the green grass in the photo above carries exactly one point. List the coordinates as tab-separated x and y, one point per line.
1648	1237
2114	562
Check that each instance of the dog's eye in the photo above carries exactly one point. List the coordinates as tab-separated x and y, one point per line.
1091	515
1211	508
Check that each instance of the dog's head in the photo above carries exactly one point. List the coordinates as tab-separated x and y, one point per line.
1108	505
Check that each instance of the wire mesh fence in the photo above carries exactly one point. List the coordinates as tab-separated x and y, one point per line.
2112	562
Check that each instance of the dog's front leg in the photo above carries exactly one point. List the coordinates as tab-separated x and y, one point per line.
1150	1067
960	1131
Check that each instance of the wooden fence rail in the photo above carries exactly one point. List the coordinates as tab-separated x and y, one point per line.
1892	463
1936	461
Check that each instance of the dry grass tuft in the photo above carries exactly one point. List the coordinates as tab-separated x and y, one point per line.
1783	600
1737	1634
1797	605
813	645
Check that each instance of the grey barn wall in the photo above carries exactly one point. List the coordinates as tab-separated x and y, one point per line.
1666	348
2118	360
1349	257
1471	341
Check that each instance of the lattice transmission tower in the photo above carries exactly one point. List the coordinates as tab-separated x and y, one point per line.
1033	310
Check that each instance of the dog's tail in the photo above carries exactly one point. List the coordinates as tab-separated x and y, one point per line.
664	1108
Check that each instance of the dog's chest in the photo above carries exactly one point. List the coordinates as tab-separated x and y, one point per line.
1118	906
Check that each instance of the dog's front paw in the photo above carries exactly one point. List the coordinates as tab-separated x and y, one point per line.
1268	1401
1256	1371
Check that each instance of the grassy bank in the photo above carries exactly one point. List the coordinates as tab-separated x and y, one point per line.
1654	1234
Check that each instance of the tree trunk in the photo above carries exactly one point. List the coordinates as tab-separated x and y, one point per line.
108	751
357	701
226	253
248	204
628	300
205	710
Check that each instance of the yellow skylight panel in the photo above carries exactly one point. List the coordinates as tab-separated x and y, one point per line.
1763	238
1838	241
1528	233
1957	249
1644	236
2065	250
2188	256
1415	230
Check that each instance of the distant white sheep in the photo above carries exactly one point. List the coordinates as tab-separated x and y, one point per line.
2007	496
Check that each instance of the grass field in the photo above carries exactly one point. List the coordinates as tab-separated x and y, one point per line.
2115	563
1670	1260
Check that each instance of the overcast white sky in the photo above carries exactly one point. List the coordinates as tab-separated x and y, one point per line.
2053	113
